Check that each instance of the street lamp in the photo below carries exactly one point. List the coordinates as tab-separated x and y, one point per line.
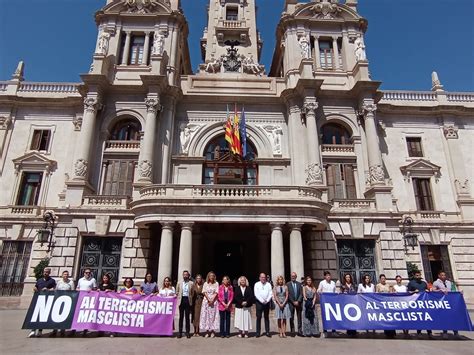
46	234
410	239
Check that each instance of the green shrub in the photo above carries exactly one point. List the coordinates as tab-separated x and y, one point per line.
412	269
38	270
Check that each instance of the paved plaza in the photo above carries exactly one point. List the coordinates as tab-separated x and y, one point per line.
14	340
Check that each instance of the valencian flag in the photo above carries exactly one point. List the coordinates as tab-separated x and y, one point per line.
229	132
234	129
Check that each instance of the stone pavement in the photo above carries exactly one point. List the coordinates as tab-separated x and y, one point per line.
13	340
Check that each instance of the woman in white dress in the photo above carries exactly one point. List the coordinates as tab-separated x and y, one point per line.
244	299
209	321
167	290
366	287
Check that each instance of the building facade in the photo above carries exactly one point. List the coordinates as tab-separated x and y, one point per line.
133	163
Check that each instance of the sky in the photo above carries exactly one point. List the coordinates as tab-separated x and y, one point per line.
406	39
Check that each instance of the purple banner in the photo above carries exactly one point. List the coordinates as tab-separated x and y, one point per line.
114	312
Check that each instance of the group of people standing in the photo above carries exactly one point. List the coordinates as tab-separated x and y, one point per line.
208	305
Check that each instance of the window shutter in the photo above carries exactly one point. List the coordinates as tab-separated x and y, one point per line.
350	182
426	263
331	181
446	261
339	189
35	142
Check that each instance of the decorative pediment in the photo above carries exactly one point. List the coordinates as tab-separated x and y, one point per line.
138	6
326	10
34	161
421	168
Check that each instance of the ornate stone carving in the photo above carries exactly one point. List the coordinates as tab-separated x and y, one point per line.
142	6
249	66
305	46
376	174
462	187
360	49
450	132
92	104
274	134
102	43
232	62
326	9
152	104
368	109
5	122
145	169
310	105
214	65
187	132
77	122
80	167
314	174
158	44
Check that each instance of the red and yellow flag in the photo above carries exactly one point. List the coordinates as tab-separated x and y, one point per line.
229	132
236	126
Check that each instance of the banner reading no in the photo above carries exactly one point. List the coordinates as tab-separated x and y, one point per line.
102	311
385	311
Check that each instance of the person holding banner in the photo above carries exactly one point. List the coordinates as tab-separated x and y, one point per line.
366	286
87	282
128	288
197	302
310	316
106	285
400	288
149	286
167	290
65	283
327	286
209	313
225	297
348	287
417	285
45	283
384	287
442	284
184	291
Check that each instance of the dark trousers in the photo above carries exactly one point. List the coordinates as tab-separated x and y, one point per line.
296	309
184	313
265	309
225	322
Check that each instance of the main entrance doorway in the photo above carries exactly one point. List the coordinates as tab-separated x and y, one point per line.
233	250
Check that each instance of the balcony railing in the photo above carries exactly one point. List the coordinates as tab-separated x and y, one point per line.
460	97
25	210
354	204
122	145
107	202
337	148
229	191
231	24
63	88
409	96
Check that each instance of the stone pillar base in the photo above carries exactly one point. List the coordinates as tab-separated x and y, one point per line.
382	196
466	205
75	192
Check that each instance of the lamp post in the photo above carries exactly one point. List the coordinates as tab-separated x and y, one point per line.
410	239
46	234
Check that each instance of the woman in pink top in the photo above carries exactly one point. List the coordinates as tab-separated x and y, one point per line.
225	296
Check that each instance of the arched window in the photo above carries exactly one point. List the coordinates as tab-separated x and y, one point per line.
222	167
333	133
126	130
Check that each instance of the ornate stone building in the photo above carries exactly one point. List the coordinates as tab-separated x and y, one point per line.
133	161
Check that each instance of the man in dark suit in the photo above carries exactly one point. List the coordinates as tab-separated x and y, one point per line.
295	301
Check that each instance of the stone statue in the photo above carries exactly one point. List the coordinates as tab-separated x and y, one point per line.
274	133
80	168
305	47
20	71
314	174
103	43
214	65
158	44
251	67
186	134
435	82
360	49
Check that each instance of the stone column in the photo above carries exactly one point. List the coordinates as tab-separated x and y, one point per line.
263	261
86	138
314	171
296	131
185	261
147	149
166	127
376	172
317	55
165	262
146	49
126	48
296	250
277	254
335	52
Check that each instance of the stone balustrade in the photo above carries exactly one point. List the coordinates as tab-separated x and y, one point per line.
430	215
231	24
25	210
64	88
106	202
398	95
337	148
355	204
122	145
460	96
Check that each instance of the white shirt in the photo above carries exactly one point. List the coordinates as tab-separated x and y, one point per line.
167	292
367	289
400	288
185	289
65	286
263	292
86	284
327	287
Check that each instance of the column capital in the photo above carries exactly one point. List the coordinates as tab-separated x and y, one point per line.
152	105
276	226
128	32
335	38
296	226
92	104
167	225
310	105
186	225
367	108
450	132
